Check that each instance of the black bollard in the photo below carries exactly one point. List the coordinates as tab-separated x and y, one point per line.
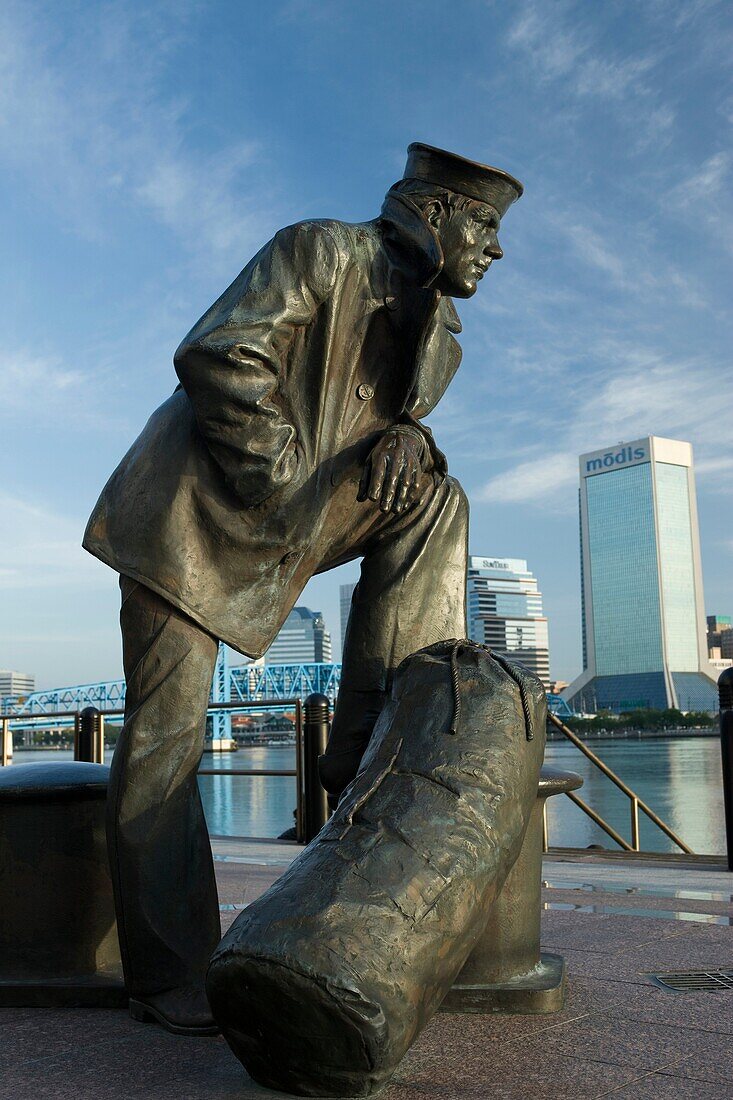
725	695
89	736
315	737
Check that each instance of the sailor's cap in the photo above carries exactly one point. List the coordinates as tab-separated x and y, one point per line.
466	177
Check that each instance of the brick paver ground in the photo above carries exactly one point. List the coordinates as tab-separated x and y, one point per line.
619	1034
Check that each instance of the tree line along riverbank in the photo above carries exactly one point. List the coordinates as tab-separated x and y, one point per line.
642	724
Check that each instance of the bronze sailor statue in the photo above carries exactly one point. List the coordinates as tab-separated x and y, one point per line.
293	442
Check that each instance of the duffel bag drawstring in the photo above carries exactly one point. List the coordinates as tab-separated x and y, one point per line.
528	723
456	688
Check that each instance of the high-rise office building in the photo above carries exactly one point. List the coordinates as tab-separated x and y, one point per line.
505	612
346	591
16	683
644	641
303	639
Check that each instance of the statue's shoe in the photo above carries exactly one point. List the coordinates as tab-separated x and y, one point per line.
180	1011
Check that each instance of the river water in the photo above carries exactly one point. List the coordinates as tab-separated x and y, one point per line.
680	779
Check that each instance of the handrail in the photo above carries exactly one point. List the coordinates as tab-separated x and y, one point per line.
6	750
248	704
636	803
246	771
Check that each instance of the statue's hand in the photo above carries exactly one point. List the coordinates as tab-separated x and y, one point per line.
393	472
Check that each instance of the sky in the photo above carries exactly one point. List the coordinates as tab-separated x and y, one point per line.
147	150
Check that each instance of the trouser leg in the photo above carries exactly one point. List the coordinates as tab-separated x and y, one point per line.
411	593
160	855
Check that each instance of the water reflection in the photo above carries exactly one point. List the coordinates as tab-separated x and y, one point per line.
661	914
243	805
680	780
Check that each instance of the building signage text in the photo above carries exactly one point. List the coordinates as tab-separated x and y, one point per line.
611	460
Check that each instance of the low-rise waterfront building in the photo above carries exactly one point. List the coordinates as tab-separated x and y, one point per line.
16	684
720	639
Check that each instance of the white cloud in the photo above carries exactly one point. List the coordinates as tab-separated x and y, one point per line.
704	196
683	13
559	45
556	53
705	183
639	271
43	389
28	379
206	202
90	135
541	477
596	251
639	394
715	466
41	549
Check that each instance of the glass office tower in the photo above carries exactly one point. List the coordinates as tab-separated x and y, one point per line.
303	639
505	612
644	642
346	591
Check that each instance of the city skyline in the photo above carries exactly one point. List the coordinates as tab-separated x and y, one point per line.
329	646
298	648
147	154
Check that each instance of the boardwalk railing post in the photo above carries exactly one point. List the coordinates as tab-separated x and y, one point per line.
725	696
89	736
6	749
315	736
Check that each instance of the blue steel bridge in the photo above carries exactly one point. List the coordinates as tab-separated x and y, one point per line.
231	684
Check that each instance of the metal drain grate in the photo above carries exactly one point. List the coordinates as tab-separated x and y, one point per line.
684	981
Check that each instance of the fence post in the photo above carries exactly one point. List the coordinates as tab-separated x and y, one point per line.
725	696
89	736
6	749
635	841
315	736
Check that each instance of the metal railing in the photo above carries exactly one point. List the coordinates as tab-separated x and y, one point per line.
725	715
297	773
6	748
94	741
305	757
636	804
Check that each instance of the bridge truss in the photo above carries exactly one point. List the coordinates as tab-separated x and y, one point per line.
231	684
237	684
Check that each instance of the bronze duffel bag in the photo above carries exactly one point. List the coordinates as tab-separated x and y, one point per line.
322	984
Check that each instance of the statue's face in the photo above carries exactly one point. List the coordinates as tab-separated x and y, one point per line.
470	244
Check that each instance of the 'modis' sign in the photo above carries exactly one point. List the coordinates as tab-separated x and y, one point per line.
628	455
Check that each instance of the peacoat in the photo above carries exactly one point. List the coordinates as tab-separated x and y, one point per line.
243	482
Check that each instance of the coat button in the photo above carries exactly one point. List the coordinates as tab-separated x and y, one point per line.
365	392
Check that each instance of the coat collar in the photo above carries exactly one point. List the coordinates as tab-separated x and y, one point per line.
410	240
414	249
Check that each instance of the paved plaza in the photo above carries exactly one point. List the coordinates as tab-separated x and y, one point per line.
615	920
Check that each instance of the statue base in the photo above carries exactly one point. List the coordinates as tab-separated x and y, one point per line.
541	990
58	935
